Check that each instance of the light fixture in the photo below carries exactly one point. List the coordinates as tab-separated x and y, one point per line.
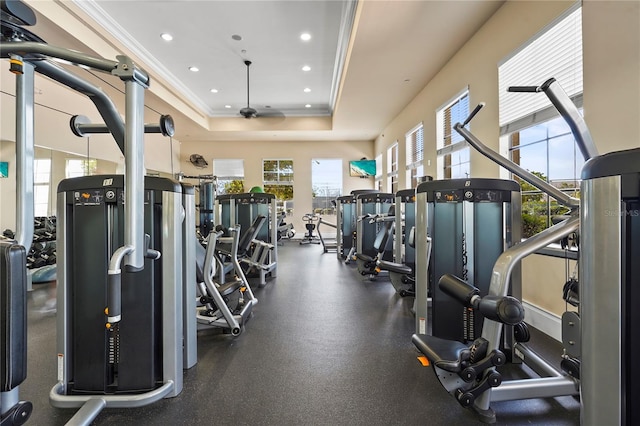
166	36
236	37
307	106
306	68
305	36
194	69
227	106
307	90
214	90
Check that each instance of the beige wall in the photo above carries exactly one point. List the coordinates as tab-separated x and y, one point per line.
300	152
474	66
611	45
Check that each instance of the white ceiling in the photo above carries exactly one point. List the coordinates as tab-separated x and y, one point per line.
392	50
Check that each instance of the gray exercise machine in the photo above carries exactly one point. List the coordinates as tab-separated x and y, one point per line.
610	289
346	224
119	345
328	243
402	268
371	211
13	269
243	209
228	304
469	371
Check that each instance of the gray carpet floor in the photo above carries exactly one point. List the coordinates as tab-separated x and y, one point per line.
324	347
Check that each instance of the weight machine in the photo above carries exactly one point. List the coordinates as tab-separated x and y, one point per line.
468	371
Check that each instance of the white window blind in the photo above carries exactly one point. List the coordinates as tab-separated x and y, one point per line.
228	168
415	147
555	52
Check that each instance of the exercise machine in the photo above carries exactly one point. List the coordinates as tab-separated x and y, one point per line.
610	289
243	209
470	223
469	371
310	222
346	223
119	344
226	305
328	243
402	268
285	230
372	211
368	260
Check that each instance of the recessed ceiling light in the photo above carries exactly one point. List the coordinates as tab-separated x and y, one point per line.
194	69
305	36
307	106
227	106
307	90
166	36
306	68
236	37
214	90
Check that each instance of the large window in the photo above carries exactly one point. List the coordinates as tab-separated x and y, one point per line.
230	175
415	155
453	151
326	182
378	178
77	167
392	168
277	177
537	138
41	179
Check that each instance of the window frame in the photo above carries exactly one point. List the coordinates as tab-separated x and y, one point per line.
447	144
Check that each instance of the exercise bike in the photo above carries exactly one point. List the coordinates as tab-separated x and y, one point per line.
310	222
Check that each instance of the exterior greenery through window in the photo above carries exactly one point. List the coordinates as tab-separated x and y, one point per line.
453	151
230	176
548	150
277	177
81	167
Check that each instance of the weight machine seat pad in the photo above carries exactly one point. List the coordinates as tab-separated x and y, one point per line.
448	355
399	268
365	257
228	288
13	315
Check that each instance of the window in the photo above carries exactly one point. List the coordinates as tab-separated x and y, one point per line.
378	178
415	155
277	177
549	151
77	167
230	176
453	154
392	168
326	182
41	178
538	139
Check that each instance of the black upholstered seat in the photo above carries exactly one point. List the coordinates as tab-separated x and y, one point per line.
446	354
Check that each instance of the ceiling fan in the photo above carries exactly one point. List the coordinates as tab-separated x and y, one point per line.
248	111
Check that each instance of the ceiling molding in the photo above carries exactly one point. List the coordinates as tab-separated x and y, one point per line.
93	10
344	39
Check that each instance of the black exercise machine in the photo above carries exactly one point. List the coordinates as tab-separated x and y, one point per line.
310	222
